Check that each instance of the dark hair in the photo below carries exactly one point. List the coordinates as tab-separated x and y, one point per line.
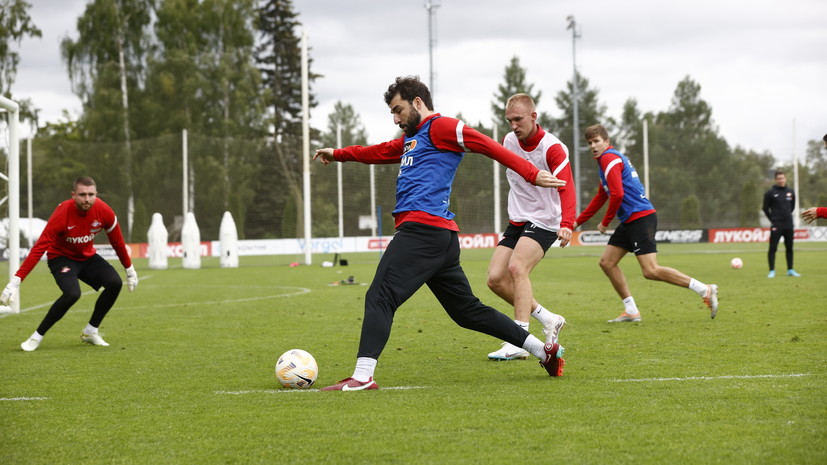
409	88
83	180
825	137
777	172
596	130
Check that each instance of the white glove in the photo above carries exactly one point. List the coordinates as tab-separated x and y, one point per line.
131	278
7	296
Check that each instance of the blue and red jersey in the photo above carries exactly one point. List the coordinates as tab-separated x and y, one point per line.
428	164
620	184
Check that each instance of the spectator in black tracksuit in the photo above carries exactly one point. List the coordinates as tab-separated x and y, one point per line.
779	204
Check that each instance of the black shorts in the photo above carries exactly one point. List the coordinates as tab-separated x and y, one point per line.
95	272
637	236
512	234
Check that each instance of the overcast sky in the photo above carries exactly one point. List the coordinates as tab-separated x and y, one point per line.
761	64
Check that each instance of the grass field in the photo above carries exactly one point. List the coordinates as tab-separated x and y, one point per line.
188	378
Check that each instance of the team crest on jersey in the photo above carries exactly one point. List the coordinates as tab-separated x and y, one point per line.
410	145
96	224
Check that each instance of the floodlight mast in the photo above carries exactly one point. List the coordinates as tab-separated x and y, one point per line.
575	100
431	6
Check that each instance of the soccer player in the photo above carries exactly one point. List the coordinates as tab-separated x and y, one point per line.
425	248
620	185
779	204
67	241
537	217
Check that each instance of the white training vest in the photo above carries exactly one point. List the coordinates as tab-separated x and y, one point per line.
530	203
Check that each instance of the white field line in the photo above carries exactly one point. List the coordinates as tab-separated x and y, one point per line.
282	391
23	398
48	304
695	378
293	291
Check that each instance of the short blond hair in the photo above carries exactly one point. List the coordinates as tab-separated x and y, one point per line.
520	98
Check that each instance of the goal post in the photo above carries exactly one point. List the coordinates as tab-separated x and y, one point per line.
13	199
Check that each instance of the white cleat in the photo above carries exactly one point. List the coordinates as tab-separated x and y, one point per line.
94	339
552	331
711	299
509	352
30	344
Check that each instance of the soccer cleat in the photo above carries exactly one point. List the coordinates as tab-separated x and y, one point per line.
553	362
30	344
509	352
625	317
793	273
552	330
350	384
772	274
93	339
711	299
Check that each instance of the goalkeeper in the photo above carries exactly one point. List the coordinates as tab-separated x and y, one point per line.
68	241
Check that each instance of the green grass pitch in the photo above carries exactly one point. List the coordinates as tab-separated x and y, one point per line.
188	378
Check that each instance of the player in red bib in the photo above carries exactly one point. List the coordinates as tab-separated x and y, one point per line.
68	242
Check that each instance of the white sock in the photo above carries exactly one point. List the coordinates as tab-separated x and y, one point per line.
36	336
544	316
535	346
522	324
631	307
90	330
697	286
365	366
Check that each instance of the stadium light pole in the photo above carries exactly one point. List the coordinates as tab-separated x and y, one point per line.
431	6
497	208
339	180
575	100
306	150
796	216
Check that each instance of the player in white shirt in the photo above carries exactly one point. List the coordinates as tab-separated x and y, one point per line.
537	218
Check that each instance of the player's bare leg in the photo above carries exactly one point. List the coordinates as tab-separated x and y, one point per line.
609	264
651	270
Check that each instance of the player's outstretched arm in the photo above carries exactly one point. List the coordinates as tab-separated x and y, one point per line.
325	156
546	179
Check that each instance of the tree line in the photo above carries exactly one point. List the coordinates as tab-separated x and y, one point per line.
228	71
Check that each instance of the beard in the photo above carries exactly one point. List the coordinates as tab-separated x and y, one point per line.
410	126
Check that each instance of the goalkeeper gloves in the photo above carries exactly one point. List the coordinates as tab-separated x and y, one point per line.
7	296
131	278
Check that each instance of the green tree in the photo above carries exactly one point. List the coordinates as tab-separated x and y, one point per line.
514	82
688	157
346	122
690	213
205	64
748	206
106	66
15	25
278	57
589	111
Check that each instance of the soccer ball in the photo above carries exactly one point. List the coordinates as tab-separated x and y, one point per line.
296	369
736	263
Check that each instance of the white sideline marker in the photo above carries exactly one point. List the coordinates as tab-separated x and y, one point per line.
281	391
23	398
693	378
